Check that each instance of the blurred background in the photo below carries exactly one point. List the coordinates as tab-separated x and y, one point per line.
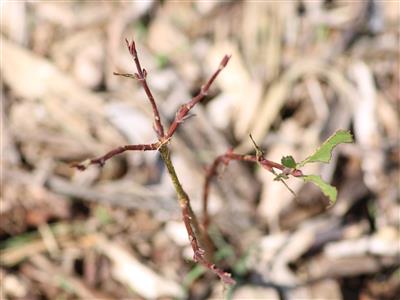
299	71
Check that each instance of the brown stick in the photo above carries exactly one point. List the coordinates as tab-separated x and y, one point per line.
185	108
189	218
226	159
102	159
141	76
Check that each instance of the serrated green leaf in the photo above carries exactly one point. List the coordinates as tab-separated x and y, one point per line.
326	188
288	161
324	152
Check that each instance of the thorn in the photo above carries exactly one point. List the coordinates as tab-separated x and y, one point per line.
82	166
144	73
259	152
224	61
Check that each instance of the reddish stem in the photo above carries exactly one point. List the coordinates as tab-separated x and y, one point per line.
199	254
185	108
189	217
226	159
141	76
102	159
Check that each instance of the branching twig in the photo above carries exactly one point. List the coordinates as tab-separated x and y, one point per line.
231	156
198	235
102	159
189	218
141	76
184	109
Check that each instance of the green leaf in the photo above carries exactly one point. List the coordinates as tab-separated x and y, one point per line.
324	152
288	161
327	189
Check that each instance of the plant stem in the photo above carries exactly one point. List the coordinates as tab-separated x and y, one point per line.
102	159
226	159
185	108
189	219
183	198
197	238
141	76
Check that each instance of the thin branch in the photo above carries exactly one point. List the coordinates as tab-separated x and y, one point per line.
102	159
141	76
190	219
231	156
128	75
199	254
185	108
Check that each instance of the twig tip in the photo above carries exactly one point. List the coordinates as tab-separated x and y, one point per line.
225	61
81	166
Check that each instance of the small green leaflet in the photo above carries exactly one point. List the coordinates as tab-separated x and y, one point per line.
288	161
327	189
324	152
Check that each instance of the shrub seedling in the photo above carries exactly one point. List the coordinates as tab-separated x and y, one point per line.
198	233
